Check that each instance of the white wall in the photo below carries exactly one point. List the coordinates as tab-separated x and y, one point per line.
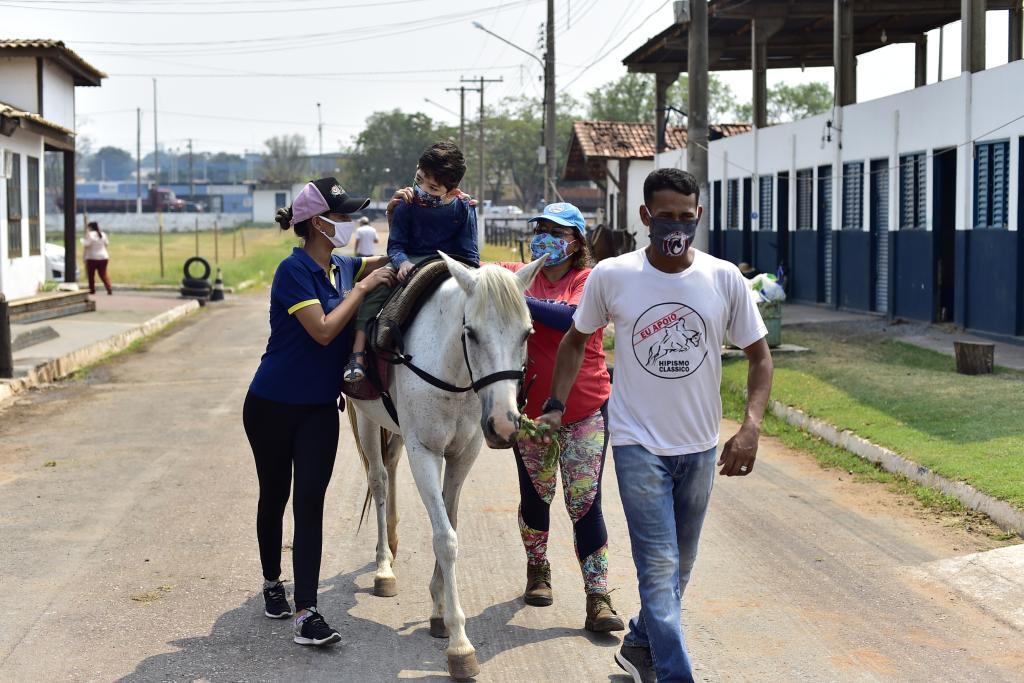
147	222
21	277
638	172
18	82
263	205
58	95
954	112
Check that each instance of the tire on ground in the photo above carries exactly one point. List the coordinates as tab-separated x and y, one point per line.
199	293
195	283
197	259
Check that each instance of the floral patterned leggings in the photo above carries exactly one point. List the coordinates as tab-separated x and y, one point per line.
581	460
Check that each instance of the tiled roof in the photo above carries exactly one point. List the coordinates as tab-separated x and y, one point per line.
620	140
85	73
8	111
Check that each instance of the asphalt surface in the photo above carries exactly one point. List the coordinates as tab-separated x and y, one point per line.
128	551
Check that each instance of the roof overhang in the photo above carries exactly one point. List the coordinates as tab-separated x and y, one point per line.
55	136
83	73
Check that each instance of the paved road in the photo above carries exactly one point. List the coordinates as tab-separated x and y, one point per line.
127	550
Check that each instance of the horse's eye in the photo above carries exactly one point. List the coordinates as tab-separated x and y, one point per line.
526	335
470	334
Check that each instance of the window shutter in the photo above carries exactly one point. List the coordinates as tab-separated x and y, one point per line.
982	172
907	192
999	182
765	213
922	193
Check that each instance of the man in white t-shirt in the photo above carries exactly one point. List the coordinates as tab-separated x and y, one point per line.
673	307
366	237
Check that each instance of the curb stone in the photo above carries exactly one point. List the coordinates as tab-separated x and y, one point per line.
63	366
1005	515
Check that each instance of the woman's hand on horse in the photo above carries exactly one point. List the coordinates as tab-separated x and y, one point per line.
401	195
403	270
381	276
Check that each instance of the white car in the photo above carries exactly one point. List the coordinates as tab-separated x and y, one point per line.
54	254
503	211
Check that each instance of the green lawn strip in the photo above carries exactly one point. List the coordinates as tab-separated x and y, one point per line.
832	457
911	401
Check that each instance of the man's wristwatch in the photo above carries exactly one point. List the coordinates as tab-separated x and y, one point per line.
552	404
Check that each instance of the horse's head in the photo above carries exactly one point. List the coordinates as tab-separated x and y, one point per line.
497	325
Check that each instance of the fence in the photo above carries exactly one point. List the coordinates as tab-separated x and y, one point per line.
147	222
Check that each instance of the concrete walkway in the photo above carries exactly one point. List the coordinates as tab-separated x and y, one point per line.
938	338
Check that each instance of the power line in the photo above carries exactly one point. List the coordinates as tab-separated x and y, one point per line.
75	6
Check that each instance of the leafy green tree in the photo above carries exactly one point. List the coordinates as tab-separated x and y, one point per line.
632	98
388	148
284	160
111	163
793	102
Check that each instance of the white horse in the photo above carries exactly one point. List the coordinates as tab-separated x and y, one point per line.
471	332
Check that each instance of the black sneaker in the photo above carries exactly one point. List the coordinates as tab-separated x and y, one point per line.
311	629
637	662
276	602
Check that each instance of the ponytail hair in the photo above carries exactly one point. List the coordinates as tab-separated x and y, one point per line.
284	219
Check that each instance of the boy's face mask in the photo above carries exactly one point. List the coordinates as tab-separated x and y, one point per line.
425	199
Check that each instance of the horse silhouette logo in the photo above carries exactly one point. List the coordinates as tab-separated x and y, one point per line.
669	340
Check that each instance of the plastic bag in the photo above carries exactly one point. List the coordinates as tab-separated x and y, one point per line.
767	288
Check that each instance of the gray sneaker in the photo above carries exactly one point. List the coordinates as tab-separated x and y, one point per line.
637	662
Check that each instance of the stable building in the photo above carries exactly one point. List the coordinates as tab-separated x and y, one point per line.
907	206
37	115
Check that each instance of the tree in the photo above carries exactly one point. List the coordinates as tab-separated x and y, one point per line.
793	102
283	161
388	148
632	98
111	163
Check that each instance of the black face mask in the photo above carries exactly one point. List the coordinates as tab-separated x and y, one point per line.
671	237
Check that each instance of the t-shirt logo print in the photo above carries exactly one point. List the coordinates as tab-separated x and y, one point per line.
669	340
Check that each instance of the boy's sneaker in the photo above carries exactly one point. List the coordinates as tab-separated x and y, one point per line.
637	662
276	602
311	629
354	370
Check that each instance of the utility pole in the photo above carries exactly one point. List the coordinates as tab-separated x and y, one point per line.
482	81
462	113
191	176
320	134
156	185
138	160
697	118
550	186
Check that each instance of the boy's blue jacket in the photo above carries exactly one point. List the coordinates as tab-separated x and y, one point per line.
417	231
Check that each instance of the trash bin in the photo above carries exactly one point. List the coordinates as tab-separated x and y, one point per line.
771	313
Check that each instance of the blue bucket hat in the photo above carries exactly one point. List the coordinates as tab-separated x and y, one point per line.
563	213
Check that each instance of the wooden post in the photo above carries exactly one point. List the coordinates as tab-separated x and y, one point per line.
974	358
697	113
663	82
70	237
1016	38
241	237
972	35
920	61
197	235
160	230
234	244
216	243
6	351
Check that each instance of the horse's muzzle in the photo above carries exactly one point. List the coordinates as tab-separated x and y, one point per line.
494	439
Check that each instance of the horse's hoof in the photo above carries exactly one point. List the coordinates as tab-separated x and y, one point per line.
437	628
385	587
463	667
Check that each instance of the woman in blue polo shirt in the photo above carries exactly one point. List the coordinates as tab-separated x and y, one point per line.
290	413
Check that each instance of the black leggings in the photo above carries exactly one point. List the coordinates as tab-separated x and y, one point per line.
284	436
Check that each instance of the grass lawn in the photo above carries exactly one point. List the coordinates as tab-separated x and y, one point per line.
909	400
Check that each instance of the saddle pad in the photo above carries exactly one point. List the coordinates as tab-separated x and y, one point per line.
401	308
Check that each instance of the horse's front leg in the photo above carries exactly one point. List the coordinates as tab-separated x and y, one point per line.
392	455
426	470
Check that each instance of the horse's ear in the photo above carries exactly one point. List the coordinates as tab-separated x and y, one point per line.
526	274
462	274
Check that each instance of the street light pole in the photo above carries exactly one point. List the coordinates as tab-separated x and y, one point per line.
550	187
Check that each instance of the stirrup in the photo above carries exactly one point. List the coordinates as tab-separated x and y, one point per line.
354	370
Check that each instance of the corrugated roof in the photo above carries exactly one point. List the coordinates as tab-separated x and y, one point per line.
84	72
15	113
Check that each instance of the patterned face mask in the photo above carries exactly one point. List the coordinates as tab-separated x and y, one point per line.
671	237
556	248
425	199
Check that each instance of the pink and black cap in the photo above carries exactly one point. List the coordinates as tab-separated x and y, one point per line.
325	195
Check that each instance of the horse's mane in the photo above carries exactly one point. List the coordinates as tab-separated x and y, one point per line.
498	286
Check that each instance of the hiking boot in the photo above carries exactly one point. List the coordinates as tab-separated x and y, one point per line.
311	629
637	662
354	370
538	585
276	602
601	616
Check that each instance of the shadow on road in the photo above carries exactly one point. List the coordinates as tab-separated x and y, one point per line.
244	645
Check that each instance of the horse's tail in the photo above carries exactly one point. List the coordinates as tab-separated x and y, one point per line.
354	423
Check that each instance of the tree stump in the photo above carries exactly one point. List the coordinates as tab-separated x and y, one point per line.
974	358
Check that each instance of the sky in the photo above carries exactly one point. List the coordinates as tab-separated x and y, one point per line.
232	73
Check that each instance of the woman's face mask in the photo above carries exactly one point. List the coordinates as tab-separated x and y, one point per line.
342	232
556	248
671	237
425	199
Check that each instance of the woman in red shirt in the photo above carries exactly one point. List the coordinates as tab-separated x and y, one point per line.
580	456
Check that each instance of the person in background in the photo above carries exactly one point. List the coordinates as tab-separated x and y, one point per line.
582	438
94	251
366	237
291	411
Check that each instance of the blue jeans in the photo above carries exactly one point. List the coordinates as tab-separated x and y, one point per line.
664	498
